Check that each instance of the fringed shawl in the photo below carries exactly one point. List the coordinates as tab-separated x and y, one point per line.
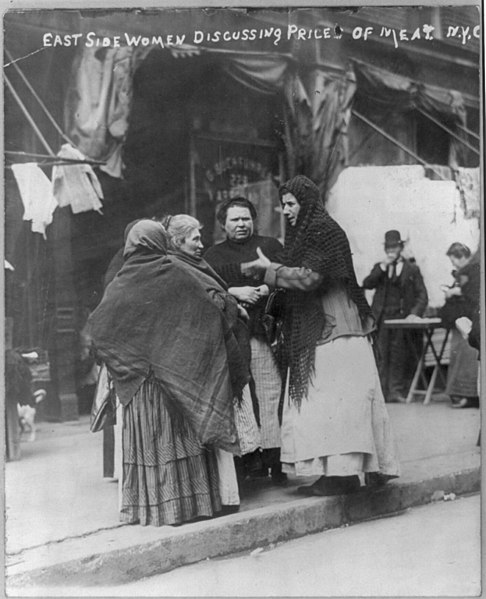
316	242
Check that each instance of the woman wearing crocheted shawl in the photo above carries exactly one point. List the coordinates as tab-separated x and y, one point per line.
334	422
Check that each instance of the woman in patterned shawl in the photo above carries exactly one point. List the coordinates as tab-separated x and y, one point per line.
176	367
334	422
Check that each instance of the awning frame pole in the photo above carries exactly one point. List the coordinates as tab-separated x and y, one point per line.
449	131
29	117
469	132
397	143
36	96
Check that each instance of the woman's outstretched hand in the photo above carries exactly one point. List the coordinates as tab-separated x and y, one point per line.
257	267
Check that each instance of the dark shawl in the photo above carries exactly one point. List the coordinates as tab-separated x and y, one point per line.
226	258
316	242
157	320
217	289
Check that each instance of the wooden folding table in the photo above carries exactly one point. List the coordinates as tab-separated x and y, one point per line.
427	326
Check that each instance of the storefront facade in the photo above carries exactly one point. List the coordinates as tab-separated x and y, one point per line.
181	109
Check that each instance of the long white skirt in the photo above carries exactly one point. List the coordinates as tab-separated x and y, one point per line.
228	483
342	427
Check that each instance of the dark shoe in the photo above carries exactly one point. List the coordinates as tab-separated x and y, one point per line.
376	479
308	490
227	509
328	486
339	485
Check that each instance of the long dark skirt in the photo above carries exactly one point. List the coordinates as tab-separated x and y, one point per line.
168	476
462	375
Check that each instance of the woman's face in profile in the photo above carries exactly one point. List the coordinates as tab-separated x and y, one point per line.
192	245
290	208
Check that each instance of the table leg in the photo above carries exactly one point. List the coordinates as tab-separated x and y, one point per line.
431	385
416	377
437	370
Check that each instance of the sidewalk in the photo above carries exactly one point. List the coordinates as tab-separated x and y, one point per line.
62	519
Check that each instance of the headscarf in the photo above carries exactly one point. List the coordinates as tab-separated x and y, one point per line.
117	261
156	319
316	242
145	235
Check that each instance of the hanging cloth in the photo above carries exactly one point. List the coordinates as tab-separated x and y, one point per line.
76	184
36	192
98	103
468	182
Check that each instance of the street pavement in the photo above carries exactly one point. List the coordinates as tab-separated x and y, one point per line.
59	507
58	482
431	550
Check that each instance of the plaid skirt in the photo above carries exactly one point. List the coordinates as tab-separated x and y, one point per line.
168	476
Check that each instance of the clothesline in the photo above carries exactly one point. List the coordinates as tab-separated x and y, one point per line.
77	187
55	160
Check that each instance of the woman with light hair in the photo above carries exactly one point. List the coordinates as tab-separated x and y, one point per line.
184	233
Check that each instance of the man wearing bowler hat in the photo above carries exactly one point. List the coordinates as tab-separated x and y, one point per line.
400	293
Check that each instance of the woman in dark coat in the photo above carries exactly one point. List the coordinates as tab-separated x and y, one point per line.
176	366
462	296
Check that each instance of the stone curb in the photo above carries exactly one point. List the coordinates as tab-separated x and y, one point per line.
158	553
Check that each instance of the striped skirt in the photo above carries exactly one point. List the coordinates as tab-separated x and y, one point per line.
268	386
168	476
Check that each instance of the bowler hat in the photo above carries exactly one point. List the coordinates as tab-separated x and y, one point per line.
392	239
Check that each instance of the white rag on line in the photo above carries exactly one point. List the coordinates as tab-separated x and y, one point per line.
76	185
36	193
